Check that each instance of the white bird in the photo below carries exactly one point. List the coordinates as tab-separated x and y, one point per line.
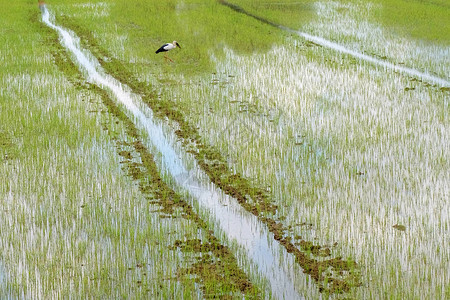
168	47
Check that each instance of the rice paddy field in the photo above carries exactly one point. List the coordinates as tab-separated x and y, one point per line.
322	125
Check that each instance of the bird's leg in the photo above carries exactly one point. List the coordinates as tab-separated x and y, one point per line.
167	58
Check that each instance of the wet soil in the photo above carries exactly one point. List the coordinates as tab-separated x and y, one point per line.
332	275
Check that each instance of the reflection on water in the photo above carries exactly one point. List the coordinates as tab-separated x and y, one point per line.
240	226
379	62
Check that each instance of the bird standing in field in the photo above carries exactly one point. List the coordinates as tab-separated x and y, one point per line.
168	47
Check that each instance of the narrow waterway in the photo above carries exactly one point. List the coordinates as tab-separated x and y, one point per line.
241	227
385	64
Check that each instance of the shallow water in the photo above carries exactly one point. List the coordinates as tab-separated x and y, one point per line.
272	260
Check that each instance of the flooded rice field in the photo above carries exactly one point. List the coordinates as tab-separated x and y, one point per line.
297	160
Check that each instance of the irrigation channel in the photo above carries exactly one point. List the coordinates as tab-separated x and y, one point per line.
339	48
241	227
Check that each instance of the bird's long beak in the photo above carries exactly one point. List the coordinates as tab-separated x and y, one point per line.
178	45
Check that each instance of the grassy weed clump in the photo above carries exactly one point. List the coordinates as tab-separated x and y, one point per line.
8	150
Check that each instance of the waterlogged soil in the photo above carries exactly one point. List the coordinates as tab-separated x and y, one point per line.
212	267
331	274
